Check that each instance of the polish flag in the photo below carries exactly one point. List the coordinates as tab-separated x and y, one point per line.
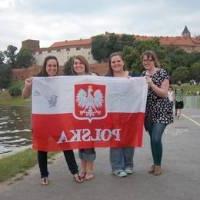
73	112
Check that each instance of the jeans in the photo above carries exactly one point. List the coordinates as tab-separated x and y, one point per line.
69	157
121	158
155	132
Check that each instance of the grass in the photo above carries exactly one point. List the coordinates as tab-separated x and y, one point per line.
6	99
190	90
18	163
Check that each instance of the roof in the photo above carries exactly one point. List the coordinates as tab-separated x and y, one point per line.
175	41
71	43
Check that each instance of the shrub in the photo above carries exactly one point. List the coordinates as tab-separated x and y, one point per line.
15	91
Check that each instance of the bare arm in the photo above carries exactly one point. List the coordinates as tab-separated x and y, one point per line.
161	91
26	92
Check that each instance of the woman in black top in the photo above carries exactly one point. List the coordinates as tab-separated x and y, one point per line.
51	68
158	109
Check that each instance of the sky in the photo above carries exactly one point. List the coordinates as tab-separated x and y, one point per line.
56	20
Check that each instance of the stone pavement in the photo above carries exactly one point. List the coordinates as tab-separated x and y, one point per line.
180	181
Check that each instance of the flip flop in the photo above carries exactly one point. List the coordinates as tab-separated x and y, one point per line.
78	179
44	181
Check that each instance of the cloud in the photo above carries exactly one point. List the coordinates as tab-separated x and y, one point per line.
52	20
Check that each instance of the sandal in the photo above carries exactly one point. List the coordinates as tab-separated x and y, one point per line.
44	181
77	178
89	176
82	175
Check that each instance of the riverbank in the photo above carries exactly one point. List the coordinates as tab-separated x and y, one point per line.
16	164
7	100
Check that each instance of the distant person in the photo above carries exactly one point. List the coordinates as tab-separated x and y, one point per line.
171	95
51	68
158	109
87	156
179	100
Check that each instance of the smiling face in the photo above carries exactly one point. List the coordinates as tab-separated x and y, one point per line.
51	67
79	67
148	62
117	64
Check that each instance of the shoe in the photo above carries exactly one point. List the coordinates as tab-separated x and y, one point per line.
44	181
78	179
120	173
151	171
129	171
157	170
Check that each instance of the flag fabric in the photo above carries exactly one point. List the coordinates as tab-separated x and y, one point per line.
77	112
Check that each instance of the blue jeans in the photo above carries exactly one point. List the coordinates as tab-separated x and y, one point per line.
121	158
155	132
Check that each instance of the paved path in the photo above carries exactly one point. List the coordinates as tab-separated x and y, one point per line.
180	181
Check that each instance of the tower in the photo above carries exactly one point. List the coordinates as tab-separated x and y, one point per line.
186	32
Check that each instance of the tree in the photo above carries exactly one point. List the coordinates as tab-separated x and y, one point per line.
11	55
132	59
67	66
104	45
195	71
2	57
180	74
99	48
5	75
24	58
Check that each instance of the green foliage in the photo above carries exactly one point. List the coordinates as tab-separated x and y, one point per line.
104	45
2	57
180	65
180	74
10	53
24	58
15	90
67	66
99	48
5	75
195	71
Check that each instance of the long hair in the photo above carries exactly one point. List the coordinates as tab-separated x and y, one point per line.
151	55
110	70
83	61
43	71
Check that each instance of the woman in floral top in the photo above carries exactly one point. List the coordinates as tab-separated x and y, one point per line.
159	110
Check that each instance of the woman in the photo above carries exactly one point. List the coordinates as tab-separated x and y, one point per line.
87	156
51	68
121	158
158	109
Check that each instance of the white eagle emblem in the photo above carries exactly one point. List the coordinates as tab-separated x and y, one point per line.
90	101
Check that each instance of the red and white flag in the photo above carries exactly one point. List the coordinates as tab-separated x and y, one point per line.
71	112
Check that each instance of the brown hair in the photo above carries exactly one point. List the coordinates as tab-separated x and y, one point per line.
83	61
110	70
151	55
43	71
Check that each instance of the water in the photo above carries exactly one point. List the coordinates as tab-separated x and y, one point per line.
14	127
